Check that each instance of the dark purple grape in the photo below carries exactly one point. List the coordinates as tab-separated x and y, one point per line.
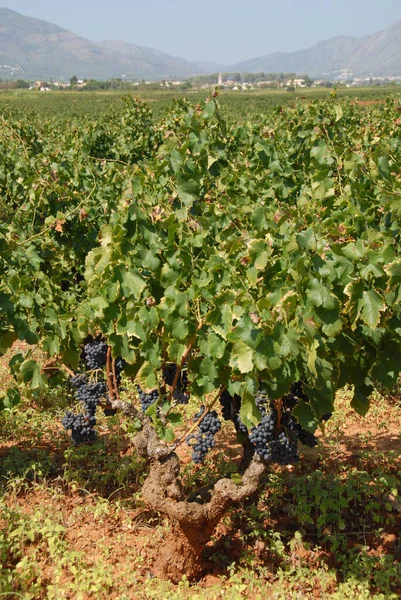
147	398
95	354
203	441
81	426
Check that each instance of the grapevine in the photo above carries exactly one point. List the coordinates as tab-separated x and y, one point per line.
253	265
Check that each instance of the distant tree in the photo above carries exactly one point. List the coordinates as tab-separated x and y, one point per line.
74	80
21	84
184	86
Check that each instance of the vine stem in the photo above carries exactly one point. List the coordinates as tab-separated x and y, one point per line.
109	375
164	360
69	371
278	405
115	382
199	421
110	160
336	156
183	360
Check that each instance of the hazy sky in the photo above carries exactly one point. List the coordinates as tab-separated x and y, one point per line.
225	31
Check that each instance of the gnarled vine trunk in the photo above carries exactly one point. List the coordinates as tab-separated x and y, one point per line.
181	553
192	523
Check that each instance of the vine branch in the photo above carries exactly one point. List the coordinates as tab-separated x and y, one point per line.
207	410
115	382
109	376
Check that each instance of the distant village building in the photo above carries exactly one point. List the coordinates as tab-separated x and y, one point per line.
41	86
296	82
220	79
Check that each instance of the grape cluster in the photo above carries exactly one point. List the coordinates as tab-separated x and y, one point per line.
230	411
263	435
88	393
120	364
290	400
147	398
78	380
272	443
275	439
95	354
295	394
109	412
278	442
203	441
305	437
169	371
227	405
284	449
180	395
82	427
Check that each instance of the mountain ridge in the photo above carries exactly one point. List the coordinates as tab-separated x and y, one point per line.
375	55
32	48
43	50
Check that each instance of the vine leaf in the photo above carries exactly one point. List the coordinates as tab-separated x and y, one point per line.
120	347
30	372
242	357
319	295
7	338
147	377
249	413
165	433
132	284
11	399
187	192
339	112
322	154
306	416
71	357
312	356
360	401
373	305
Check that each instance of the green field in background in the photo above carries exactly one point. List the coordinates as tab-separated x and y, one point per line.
239	103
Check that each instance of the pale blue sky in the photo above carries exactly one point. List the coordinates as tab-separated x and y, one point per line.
225	31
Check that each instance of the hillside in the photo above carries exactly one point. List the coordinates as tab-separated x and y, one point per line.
36	49
376	55
150	62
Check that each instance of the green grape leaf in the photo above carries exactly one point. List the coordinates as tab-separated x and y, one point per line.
306	416
10	400
146	377
372	305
